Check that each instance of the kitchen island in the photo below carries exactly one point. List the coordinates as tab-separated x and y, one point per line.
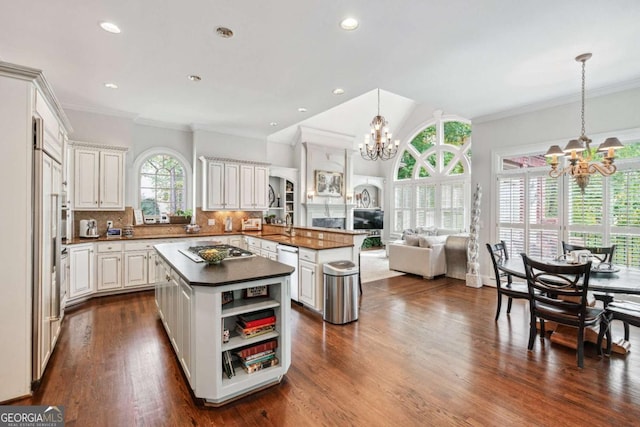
197	302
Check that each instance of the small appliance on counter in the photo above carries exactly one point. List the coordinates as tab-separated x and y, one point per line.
89	228
252	224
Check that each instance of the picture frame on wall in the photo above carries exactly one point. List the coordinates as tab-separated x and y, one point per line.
329	184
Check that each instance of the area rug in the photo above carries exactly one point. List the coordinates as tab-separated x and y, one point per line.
374	265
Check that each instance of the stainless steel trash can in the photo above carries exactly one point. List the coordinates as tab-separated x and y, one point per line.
340	292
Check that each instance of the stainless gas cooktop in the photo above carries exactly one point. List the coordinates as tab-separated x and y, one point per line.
233	252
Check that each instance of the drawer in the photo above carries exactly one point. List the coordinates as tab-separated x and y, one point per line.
269	246
139	246
252	241
308	255
109	247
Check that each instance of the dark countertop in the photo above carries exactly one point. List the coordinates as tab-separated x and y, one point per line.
227	272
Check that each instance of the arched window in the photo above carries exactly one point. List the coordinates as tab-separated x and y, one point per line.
432	177
163	181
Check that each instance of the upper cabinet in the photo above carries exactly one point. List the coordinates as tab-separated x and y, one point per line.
233	185
98	177
254	182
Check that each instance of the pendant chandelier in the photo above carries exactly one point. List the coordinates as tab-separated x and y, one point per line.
378	144
578	151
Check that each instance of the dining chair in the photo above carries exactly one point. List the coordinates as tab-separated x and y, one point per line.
602	254
626	311
561	297
504	281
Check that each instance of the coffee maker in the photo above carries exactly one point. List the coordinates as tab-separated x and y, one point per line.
89	228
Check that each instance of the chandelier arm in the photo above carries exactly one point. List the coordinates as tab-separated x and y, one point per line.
604	170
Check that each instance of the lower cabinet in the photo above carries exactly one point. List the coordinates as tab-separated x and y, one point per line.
307	283
136	268
81	271
109	263
184	328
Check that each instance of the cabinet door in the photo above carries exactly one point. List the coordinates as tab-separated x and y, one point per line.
152	259
86	177
232	185
135	268
109	271
184	328
81	271
307	278
214	188
261	187
246	187
111	189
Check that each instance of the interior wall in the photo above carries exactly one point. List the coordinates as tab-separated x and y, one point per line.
535	130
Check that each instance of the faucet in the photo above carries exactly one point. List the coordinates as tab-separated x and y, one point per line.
288	224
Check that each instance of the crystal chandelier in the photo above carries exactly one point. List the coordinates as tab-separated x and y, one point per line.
578	151
378	145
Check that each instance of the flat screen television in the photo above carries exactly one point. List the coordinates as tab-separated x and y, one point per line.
368	219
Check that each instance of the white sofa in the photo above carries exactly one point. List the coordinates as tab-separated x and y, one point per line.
421	254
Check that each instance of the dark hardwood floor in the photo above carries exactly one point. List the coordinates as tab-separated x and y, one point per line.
422	353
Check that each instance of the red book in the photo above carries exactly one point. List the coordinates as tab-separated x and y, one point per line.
259	322
258	348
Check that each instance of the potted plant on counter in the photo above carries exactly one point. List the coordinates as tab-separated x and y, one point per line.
180	217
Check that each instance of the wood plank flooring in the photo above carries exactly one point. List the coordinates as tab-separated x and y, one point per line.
422	353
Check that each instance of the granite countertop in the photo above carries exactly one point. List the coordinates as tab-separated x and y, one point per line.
229	271
304	242
298	241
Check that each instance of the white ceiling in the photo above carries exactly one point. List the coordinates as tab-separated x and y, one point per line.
467	57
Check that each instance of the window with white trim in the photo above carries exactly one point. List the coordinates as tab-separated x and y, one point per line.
432	177
535	212
162	185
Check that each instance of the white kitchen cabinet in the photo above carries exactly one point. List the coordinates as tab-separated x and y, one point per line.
307	274
81	271
98	179
254	182
136	268
184	328
220	184
109	262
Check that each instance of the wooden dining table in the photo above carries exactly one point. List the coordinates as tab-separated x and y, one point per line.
605	284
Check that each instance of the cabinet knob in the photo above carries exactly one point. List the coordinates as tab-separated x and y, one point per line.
96	202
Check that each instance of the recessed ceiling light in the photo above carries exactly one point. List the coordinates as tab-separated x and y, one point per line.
110	27
111	85
273	124
338	91
302	110
224	32
349	24
194	78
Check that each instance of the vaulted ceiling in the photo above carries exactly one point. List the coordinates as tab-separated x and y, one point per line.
466	57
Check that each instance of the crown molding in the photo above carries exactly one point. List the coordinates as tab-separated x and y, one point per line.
555	102
99	110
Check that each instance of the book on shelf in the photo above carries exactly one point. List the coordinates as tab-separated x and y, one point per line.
227	364
257	348
258	322
254	332
257	356
260	365
256	315
262	359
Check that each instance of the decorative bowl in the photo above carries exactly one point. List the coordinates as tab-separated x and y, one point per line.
213	256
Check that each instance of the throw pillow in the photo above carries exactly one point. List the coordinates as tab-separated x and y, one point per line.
412	240
429	241
426	231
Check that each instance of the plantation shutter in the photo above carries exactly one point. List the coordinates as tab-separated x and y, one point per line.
625	217
585	213
425	205
452	205
511	212
543	215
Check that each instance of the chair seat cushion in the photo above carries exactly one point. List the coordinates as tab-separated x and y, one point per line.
558	314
